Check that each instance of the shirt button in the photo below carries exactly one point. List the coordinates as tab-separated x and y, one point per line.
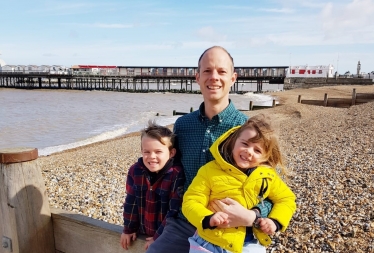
208	131
203	150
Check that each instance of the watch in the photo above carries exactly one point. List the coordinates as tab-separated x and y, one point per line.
256	222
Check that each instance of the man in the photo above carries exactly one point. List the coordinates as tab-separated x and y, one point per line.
195	133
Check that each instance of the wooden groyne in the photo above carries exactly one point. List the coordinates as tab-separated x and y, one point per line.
357	98
251	107
28	224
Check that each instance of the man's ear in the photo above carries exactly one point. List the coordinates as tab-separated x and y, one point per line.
197	77
173	151
233	78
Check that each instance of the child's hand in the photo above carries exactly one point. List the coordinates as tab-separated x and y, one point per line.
126	240
219	218
267	226
149	242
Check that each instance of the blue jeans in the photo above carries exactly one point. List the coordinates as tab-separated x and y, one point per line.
199	245
174	238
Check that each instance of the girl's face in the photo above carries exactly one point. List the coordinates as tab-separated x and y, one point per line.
247	154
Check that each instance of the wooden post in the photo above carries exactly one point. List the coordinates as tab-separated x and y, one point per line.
274	104
325	100
191	109
174	112
25	217
250	105
353	97
299	99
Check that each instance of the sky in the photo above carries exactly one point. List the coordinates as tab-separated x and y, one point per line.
175	33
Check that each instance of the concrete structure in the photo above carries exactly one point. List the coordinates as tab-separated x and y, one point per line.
298	82
311	71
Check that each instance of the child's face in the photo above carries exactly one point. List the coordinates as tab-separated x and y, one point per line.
155	154
247	154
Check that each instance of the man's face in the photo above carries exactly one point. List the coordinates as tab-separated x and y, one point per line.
216	75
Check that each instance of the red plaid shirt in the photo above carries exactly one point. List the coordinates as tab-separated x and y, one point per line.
147	206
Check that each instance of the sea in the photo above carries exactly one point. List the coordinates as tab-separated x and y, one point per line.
57	120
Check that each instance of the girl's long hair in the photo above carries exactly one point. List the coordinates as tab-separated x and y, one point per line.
265	135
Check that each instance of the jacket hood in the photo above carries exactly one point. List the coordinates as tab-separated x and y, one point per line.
214	149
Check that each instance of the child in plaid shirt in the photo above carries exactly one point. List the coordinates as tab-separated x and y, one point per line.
154	187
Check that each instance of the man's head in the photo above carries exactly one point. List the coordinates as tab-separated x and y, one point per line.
201	56
216	76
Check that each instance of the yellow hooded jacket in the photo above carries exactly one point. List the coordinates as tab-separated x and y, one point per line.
218	180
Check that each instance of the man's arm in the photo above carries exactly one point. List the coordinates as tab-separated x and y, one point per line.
239	215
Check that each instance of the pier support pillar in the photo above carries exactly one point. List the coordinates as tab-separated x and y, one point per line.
25	217
259	86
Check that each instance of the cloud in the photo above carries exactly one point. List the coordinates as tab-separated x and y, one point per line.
63	9
233	7
49	55
283	10
115	26
73	34
349	21
209	34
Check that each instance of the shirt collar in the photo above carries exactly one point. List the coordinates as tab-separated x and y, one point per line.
230	109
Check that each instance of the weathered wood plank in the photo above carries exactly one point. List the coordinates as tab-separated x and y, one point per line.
25	214
312	102
365	96
75	233
339	102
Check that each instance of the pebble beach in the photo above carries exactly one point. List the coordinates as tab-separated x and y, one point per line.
329	153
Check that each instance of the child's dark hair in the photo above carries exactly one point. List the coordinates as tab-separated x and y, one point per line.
159	133
265	135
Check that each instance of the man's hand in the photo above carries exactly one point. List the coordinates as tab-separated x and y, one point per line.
219	218
126	240
267	226
148	243
238	216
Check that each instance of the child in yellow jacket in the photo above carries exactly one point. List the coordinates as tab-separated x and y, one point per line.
245	158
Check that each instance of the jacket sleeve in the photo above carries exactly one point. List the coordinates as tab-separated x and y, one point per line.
130	208
175	201
284	202
265	207
196	198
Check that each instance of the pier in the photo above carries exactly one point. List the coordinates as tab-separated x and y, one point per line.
135	79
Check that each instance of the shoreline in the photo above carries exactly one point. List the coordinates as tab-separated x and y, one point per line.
328	151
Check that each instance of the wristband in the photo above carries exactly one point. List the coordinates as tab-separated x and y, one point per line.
256	222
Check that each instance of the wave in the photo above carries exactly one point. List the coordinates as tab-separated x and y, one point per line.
134	127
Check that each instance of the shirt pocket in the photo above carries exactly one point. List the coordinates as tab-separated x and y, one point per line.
140	188
162	193
162	196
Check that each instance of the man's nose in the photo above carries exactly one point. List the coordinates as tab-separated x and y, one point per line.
214	75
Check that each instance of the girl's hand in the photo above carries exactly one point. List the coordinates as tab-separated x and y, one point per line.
267	226
219	218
